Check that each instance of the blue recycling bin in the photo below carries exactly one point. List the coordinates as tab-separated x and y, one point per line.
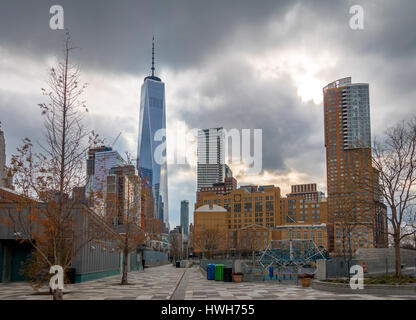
208	271
271	272
211	272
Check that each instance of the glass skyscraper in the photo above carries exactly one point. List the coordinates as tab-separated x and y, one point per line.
2	159
151	119
349	168
185	216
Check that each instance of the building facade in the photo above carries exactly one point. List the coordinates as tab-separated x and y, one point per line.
308	191
123	196
210	232
221	188
254	214
316	232
350	176
152	137
100	161
211	167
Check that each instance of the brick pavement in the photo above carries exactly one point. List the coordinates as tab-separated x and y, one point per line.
152	283
159	283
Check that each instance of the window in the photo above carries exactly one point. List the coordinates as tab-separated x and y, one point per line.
247	207
269	206
259	207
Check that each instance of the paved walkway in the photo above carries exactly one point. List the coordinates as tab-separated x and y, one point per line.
199	288
168	282
156	283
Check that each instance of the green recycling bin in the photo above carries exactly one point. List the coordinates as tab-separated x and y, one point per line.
219	272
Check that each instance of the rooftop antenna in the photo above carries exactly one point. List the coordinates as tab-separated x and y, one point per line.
153	56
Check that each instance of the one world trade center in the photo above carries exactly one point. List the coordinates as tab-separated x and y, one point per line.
152	119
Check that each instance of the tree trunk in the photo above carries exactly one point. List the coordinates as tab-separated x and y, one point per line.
58	294
398	262
125	260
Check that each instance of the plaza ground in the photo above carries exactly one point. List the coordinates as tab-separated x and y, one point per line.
167	282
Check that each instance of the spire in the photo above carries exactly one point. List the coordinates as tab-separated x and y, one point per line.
153	56
152	76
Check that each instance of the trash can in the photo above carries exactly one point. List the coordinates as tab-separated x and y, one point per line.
228	274
211	272
178	263
271	272
219	272
70	275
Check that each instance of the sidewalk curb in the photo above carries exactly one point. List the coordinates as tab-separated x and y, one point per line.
179	281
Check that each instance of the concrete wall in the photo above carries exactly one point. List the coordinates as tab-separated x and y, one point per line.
408	257
7	231
92	262
377	260
155	258
95	261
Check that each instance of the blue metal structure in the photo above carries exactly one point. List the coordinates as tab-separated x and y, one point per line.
287	258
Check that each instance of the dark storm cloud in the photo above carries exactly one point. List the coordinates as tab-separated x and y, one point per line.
20	118
251	104
117	34
210	39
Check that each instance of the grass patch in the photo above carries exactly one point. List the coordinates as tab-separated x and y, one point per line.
380	279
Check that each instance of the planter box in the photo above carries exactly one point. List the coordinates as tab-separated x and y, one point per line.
306	282
237	277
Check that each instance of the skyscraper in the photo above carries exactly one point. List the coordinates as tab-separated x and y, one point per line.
6	178
351	204
152	118
100	161
123	195
211	167
2	159
185	216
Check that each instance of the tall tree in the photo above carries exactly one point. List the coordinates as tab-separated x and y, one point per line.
209	240
54	227
175	245
394	156
123	212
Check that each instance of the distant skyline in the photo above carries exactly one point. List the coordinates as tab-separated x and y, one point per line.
225	64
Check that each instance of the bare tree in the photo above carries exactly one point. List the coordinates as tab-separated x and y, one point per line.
154	228
208	240
123	211
248	241
409	242
53	226
175	244
344	216
394	156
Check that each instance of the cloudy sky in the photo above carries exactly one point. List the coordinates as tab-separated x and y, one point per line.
237	64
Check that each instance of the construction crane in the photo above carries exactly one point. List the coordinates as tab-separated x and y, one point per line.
115	140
